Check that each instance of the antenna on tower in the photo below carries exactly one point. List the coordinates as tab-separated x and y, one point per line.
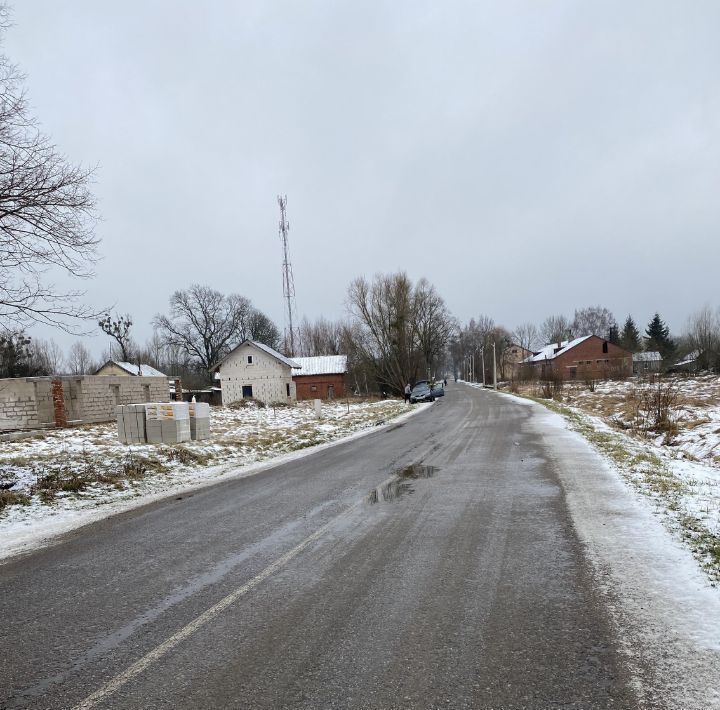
288	281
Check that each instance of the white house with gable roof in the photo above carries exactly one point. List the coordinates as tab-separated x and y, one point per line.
254	370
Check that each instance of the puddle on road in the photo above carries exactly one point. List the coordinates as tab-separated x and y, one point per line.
399	485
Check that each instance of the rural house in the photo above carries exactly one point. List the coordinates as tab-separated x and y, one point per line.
512	359
589	357
646	362
124	369
254	370
320	377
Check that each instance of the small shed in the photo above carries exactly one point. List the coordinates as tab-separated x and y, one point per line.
646	362
321	377
253	370
131	369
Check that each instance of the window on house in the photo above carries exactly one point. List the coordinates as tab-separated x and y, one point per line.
247	391
287	388
249	357
605	348
115	389
146	392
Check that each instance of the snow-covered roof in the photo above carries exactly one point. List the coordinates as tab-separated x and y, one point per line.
689	359
552	351
132	368
321	365
266	348
649	356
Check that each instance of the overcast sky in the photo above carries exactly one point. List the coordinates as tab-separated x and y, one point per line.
529	158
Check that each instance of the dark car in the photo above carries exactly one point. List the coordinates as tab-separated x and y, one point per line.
421	393
437	389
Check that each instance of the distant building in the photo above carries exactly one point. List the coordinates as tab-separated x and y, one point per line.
646	362
321	377
589	357
689	363
254	370
513	357
133	369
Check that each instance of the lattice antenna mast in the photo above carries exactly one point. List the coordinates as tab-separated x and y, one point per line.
288	281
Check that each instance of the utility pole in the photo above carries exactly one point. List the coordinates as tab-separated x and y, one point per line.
288	281
482	355
494	368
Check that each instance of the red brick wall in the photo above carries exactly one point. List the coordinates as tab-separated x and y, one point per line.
305	384
588	361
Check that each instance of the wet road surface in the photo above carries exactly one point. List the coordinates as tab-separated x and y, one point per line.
430	564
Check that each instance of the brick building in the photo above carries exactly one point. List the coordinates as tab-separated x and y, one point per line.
320	377
589	357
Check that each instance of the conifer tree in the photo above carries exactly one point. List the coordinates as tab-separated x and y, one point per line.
658	335
630	337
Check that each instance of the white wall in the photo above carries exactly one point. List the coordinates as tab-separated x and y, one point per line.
268	376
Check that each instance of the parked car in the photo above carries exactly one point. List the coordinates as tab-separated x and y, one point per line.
421	393
437	389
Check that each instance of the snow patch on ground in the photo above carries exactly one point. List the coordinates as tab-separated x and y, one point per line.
244	442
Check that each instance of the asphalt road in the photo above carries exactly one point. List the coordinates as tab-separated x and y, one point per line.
467	588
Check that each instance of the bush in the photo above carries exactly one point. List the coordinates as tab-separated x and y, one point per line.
13	498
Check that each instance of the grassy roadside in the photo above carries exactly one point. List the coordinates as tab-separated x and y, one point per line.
88	465
651	476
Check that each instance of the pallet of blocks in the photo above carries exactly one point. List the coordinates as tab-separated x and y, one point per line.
167	422
199	420
131	423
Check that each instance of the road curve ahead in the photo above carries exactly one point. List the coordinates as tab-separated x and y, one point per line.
314	585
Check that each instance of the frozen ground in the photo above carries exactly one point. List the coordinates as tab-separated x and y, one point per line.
62	479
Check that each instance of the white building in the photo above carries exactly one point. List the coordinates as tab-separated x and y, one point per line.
253	370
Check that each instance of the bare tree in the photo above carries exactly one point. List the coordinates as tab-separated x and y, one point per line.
554	329
118	328
47	357
526	336
204	324
260	328
434	323
593	320
47	216
703	335
399	330
79	359
321	337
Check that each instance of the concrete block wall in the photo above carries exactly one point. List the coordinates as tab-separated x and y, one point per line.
27	402
100	394
18	404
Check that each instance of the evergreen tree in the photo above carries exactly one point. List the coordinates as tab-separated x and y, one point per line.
630	337
658	337
614	334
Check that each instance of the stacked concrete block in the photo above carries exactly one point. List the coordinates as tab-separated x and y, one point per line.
131	423
167	422
199	420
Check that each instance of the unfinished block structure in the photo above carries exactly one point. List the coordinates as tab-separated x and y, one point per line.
40	402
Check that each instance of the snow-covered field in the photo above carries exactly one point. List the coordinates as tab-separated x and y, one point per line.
663	436
61	479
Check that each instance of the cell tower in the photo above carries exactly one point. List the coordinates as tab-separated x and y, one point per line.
288	281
